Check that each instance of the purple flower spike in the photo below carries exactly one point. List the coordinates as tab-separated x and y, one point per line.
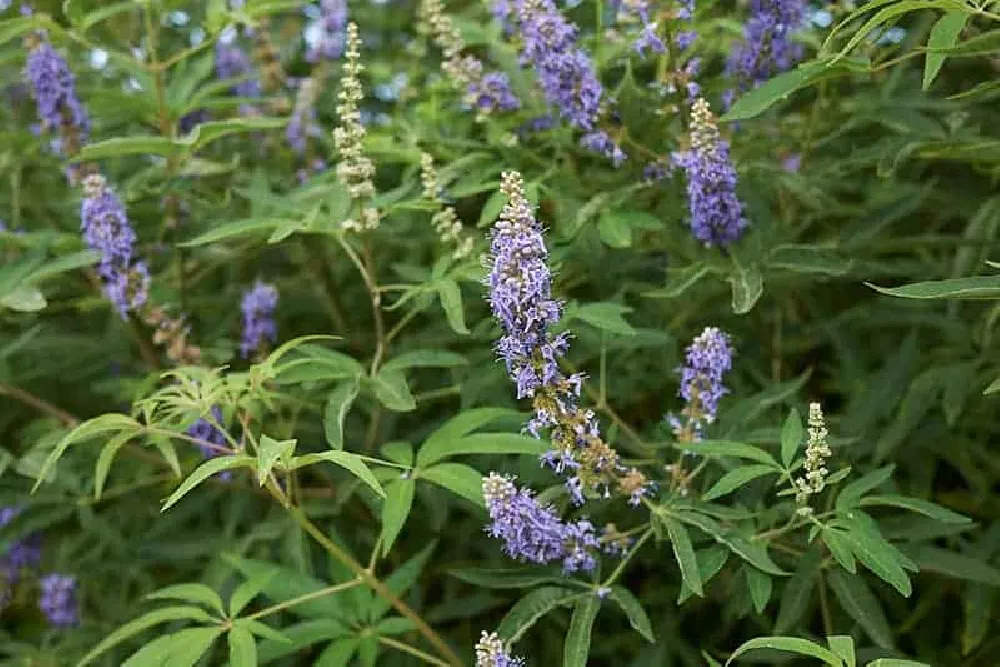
716	212
491	652
534	533
767	47
708	359
58	600
106	229
54	88
231	62
258	317
332	31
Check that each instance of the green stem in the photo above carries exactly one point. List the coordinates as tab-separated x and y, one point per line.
378	587
323	592
625	561
412	650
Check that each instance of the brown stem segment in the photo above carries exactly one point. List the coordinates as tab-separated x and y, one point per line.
378	587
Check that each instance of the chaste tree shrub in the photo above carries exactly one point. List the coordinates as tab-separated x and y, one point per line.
627	332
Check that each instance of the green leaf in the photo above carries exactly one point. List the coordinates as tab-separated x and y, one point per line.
943	35
843	646
729	448
15	27
234	229
469	420
614	230
977	605
206	470
434	450
797	595
458	478
736	478
24	299
684	553
861	604
880	557
60	265
917	505
395	509
180	649
850	495
748	286
134	627
680	281
106	458
248	590
198	593
752	552
281	583
840	548
581	627
426	359
710	563
790	645
896	662
451	302
118	146
509	577
791	437
605	316
92	428
242	648
392	391
491	209
209	131
956	565
338	652
760	586
401	580
637	617
352	462
808	259
338	404
532	607
764	96
269	452
976	287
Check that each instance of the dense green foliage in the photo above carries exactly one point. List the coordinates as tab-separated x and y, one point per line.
340	520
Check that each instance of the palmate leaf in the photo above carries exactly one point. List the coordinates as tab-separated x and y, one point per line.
206	470
180	649
92	428
198	593
145	621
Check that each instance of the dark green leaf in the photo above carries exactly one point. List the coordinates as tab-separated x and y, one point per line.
736	478
458	478
532	607
637	617
861	604
338	404
791	437
581	626
944	34
395	510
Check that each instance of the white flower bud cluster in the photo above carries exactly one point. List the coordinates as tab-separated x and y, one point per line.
354	170
445	220
817	451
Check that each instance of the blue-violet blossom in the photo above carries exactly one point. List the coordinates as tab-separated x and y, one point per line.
58	600
716	212
767	47
54	88
707	360
491	652
329	42
106	229
258	317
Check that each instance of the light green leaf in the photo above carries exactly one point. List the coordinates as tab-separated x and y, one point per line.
144	622
242	648
843	646
60	265
436	449
248	590
451	302
338	652
338	404
180	649
791	437
352	462
760	586
395	510
748	286
209	131
614	230
458	478
234	229
917	505
532	607
943	35
710	563
736	478
790	645
393	392
269	453
637	616
729	448
199	593
24	299
118	146
206	470
861	604
605	316
976	287
684	553
896	662
581	627
92	428
105	459
469	420
15	27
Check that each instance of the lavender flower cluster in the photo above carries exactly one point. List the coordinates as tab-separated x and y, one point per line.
716	212
638	11
232	62
708	359
332	35
534	533
258	318
106	229
565	71
767	47
54	88
58	591
491	652
685	12
520	296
